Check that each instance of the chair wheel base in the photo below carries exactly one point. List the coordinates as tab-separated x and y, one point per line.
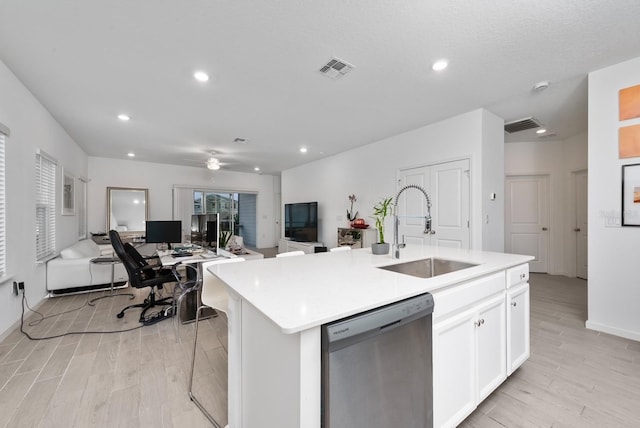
120	315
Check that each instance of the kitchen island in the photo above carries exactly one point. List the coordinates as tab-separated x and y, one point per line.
277	307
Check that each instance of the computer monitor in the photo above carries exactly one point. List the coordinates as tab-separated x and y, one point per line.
163	232
213	233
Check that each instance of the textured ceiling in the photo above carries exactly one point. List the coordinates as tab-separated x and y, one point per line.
87	61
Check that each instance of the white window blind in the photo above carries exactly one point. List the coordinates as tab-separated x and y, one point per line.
45	207
3	212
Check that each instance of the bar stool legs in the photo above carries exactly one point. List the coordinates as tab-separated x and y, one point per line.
193	361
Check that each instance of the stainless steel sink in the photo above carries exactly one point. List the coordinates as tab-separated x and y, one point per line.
427	268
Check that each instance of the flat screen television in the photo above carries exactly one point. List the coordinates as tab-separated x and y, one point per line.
163	232
301	221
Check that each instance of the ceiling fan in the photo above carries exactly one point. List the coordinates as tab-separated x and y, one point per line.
212	161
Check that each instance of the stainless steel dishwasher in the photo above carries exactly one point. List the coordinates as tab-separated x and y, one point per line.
377	368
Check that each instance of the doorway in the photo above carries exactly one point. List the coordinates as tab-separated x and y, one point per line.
527	219
580	180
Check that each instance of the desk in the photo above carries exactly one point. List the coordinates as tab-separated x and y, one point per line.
198	257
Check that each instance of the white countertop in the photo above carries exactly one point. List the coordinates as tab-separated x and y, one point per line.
301	292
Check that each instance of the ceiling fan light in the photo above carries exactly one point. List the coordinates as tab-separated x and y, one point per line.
213	164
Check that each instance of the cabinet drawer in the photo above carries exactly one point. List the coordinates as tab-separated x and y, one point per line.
461	296
517	275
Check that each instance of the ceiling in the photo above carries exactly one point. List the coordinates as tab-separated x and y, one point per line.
87	62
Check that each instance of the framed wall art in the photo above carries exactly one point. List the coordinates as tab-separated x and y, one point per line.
68	194
631	195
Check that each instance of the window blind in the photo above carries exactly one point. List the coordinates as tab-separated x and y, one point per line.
45	207
3	212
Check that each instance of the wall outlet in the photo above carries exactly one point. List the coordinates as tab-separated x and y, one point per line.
21	286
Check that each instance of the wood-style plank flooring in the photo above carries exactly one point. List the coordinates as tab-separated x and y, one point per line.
574	378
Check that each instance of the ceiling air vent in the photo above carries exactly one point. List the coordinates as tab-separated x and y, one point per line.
521	125
336	68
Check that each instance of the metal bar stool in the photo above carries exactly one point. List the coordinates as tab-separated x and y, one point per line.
215	296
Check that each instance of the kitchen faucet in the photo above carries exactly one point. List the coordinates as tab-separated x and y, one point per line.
396	219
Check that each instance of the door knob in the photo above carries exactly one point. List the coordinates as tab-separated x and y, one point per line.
544	228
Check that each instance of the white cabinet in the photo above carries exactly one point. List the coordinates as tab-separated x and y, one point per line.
517	326
285	245
453	369
491	343
469	353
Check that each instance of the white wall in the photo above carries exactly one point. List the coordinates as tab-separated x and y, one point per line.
614	251
559	160
160	179
369	172
32	128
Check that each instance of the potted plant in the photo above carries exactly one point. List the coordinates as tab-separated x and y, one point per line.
381	210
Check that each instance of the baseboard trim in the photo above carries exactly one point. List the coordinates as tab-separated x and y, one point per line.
627	334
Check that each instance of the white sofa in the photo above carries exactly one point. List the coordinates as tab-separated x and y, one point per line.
73	269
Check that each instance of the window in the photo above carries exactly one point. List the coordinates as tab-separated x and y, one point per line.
3	208
45	207
81	201
226	204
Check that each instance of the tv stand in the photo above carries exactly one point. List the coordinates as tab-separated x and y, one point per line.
286	245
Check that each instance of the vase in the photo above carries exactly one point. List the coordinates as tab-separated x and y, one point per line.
380	248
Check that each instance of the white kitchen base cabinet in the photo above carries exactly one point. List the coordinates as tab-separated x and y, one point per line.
517	326
453	369
277	308
468	360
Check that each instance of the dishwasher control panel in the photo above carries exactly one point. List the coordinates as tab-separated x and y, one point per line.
380	319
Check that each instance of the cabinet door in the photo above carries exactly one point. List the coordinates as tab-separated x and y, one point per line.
453	369
491	345
517	326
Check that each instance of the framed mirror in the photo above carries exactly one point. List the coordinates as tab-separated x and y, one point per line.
127	210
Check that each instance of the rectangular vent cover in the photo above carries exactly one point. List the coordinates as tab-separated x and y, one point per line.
521	125
335	68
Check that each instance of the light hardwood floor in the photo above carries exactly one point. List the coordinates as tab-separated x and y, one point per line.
574	378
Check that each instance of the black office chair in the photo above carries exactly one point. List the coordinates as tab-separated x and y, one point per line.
141	274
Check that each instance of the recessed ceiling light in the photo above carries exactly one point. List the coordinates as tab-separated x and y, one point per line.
541	86
123	117
541	131
131	155
256	168
201	76
303	150
440	65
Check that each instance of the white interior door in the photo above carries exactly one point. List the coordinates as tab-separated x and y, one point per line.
448	187
527	219
581	192
450	211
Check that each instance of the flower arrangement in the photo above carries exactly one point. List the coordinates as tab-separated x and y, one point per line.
350	215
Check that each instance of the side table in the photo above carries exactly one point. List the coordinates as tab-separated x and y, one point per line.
112	293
